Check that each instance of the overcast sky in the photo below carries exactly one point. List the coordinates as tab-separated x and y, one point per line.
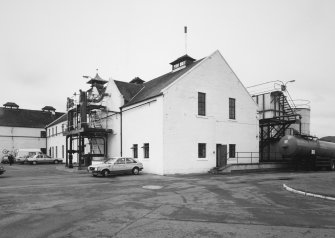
47	46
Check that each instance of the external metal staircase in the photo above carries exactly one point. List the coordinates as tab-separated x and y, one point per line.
272	129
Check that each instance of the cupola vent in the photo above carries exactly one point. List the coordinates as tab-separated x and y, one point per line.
182	62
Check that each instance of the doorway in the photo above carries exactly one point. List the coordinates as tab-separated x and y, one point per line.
221	155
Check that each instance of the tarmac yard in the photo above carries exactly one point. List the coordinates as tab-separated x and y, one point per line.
48	201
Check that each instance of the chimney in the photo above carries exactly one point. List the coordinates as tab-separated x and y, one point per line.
137	80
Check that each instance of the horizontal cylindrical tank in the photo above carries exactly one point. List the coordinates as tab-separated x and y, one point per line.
299	146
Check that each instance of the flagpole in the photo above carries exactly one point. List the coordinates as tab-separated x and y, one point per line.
185	31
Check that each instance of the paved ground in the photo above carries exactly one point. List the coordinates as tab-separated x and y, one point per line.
322	183
42	201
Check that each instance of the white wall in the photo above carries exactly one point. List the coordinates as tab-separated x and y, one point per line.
57	141
184	129
144	124
14	138
113	104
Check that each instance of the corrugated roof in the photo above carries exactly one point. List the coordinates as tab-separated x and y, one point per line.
26	118
128	90
154	87
58	120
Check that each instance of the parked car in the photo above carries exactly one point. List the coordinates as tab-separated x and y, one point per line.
42	158
5	159
23	154
116	166
2	169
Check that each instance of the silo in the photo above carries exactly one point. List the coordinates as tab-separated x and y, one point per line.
305	114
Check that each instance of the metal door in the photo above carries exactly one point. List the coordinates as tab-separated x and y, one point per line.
221	155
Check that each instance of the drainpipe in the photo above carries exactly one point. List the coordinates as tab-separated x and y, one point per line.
46	141
121	131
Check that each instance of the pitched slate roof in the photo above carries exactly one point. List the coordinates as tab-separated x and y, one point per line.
58	120
26	118
128	90
154	87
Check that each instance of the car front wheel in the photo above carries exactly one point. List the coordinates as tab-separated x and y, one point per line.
105	173
56	161
136	171
332	165
34	162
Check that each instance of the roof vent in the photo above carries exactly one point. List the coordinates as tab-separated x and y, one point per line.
96	81
181	62
137	80
11	105
49	109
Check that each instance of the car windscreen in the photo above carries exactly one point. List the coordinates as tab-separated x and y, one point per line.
110	160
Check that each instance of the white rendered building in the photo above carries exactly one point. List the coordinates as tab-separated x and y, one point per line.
55	139
189	120
23	128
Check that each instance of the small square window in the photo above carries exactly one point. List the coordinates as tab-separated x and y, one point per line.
43	134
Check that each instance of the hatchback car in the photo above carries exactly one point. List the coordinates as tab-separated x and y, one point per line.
42	158
116	166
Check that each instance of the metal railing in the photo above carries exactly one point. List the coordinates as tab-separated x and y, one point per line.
248	157
255	158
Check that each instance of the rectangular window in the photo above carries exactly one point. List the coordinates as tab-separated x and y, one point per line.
146	150
232	103
43	134
52	152
135	151
232	150
52	131
56	152
202	150
49	132
201	104
63	151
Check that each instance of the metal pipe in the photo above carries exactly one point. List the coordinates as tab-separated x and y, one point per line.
121	131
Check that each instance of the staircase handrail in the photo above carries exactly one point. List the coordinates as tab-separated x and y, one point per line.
290	101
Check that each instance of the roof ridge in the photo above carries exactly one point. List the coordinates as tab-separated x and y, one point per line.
153	87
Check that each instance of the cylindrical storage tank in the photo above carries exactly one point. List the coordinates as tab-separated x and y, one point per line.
326	149
305	114
290	146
